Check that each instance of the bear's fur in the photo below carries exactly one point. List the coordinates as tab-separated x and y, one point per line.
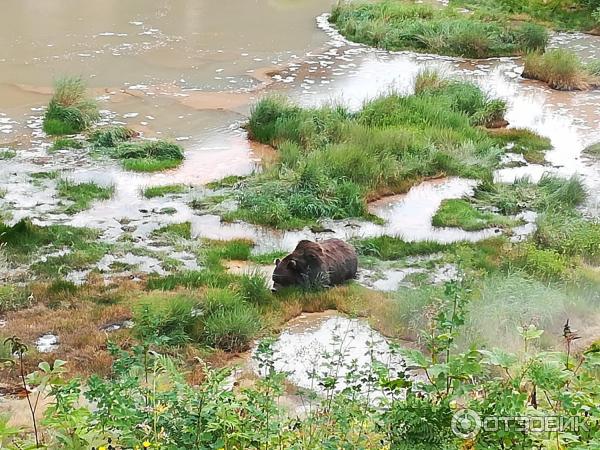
325	263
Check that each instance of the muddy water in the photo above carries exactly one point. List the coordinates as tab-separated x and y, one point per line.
189	71
317	345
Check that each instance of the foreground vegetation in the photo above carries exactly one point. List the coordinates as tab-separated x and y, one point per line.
404	25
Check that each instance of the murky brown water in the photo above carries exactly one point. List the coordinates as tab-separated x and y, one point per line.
190	71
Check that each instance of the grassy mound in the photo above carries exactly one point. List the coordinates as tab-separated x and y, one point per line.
69	111
561	69
149	156
461	214
333	161
111	136
65	143
82	194
404	25
560	15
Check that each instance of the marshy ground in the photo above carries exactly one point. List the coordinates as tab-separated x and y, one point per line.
211	153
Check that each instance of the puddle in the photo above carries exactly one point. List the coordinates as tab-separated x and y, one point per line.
47	343
350	343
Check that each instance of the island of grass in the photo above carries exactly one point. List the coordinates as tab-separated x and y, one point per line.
161	191
333	161
139	155
70	111
561	15
405	25
82	194
460	213
561	70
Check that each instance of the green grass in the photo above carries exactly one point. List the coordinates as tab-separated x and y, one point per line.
268	258
560	15
404	25
148	156
82	194
7	154
235	249
228	181
569	234
332	162
111	136
561	69
24	238
593	150
80	258
390	248
550	193
50	175
161	191
191	279
461	214
182	230
219	318
526	142
70	111
65	143
13	298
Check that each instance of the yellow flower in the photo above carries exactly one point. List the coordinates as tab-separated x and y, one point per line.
102	447
146	444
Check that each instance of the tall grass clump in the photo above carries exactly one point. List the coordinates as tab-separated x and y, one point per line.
232	329
403	25
561	69
111	136
70	111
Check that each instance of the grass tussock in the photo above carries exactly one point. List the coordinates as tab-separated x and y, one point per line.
70	111
461	214
333	161
65	143
111	136
404	25
148	156
561	69
161	191
82	194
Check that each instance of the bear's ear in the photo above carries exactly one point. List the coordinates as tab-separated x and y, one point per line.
292	264
277	261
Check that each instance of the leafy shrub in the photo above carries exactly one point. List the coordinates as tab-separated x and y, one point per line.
69	111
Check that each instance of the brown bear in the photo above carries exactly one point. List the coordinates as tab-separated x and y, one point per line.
325	263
